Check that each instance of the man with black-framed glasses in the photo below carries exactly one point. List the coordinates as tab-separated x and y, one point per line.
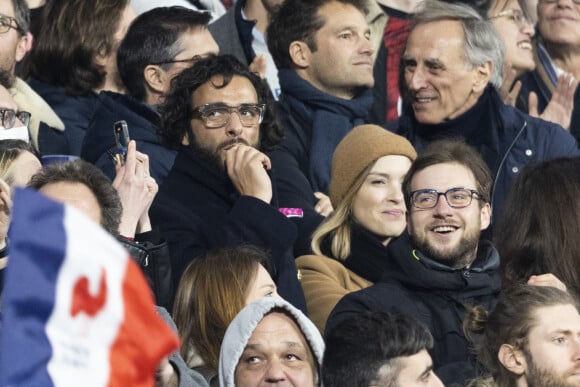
220	191
440	265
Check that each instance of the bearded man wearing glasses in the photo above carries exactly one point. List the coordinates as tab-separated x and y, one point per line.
220	191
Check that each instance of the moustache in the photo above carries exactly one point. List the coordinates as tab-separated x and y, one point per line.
229	143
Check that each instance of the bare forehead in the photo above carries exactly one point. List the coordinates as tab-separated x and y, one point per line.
443	176
6	8
277	328
438	38
556	318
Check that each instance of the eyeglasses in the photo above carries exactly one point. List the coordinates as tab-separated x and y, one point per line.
456	197
516	16
554	1
9	117
7	22
216	115
191	60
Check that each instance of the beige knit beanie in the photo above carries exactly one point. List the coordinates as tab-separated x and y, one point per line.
363	145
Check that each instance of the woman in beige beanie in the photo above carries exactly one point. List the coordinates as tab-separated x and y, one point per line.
368	168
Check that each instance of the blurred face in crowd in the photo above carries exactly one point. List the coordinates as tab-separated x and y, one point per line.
11	127
414	371
194	43
379	204
263	286
23	168
516	31
12	42
276	353
559	22
448	235
77	195
109	62
342	63
441	83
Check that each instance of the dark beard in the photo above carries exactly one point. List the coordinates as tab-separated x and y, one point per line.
461	256
211	159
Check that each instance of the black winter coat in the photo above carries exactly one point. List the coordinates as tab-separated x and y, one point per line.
436	295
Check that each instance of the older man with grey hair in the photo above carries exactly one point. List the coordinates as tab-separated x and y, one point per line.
451	70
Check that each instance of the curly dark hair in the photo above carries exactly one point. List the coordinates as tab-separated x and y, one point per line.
176	111
82	172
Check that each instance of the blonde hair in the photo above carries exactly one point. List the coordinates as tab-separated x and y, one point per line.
338	225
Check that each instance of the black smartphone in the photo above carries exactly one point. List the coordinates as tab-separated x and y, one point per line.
121	131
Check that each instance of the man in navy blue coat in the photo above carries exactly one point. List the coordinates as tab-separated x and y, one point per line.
451	70
220	191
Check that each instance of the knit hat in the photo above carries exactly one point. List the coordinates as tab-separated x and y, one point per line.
363	145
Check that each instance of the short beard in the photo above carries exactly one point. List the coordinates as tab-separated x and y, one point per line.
213	158
540	377
460	256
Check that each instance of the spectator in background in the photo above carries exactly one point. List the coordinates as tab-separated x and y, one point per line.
531	338
556	56
74	57
538	232
18	162
452	67
212	290
46	128
379	349
158	45
324	54
241	33
511	19
271	342
219	192
13	121
368	168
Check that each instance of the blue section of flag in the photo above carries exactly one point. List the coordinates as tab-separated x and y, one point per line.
36	252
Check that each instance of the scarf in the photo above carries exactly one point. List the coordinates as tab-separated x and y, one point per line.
330	119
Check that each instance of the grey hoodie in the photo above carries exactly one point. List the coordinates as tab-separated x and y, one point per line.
242	327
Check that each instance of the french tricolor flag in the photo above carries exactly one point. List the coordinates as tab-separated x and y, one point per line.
76	309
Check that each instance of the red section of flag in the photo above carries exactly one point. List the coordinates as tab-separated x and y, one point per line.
142	337
84	301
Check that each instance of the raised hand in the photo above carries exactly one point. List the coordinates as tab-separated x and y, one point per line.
246	167
137	189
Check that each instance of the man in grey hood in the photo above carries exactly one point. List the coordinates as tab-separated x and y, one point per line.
270	341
